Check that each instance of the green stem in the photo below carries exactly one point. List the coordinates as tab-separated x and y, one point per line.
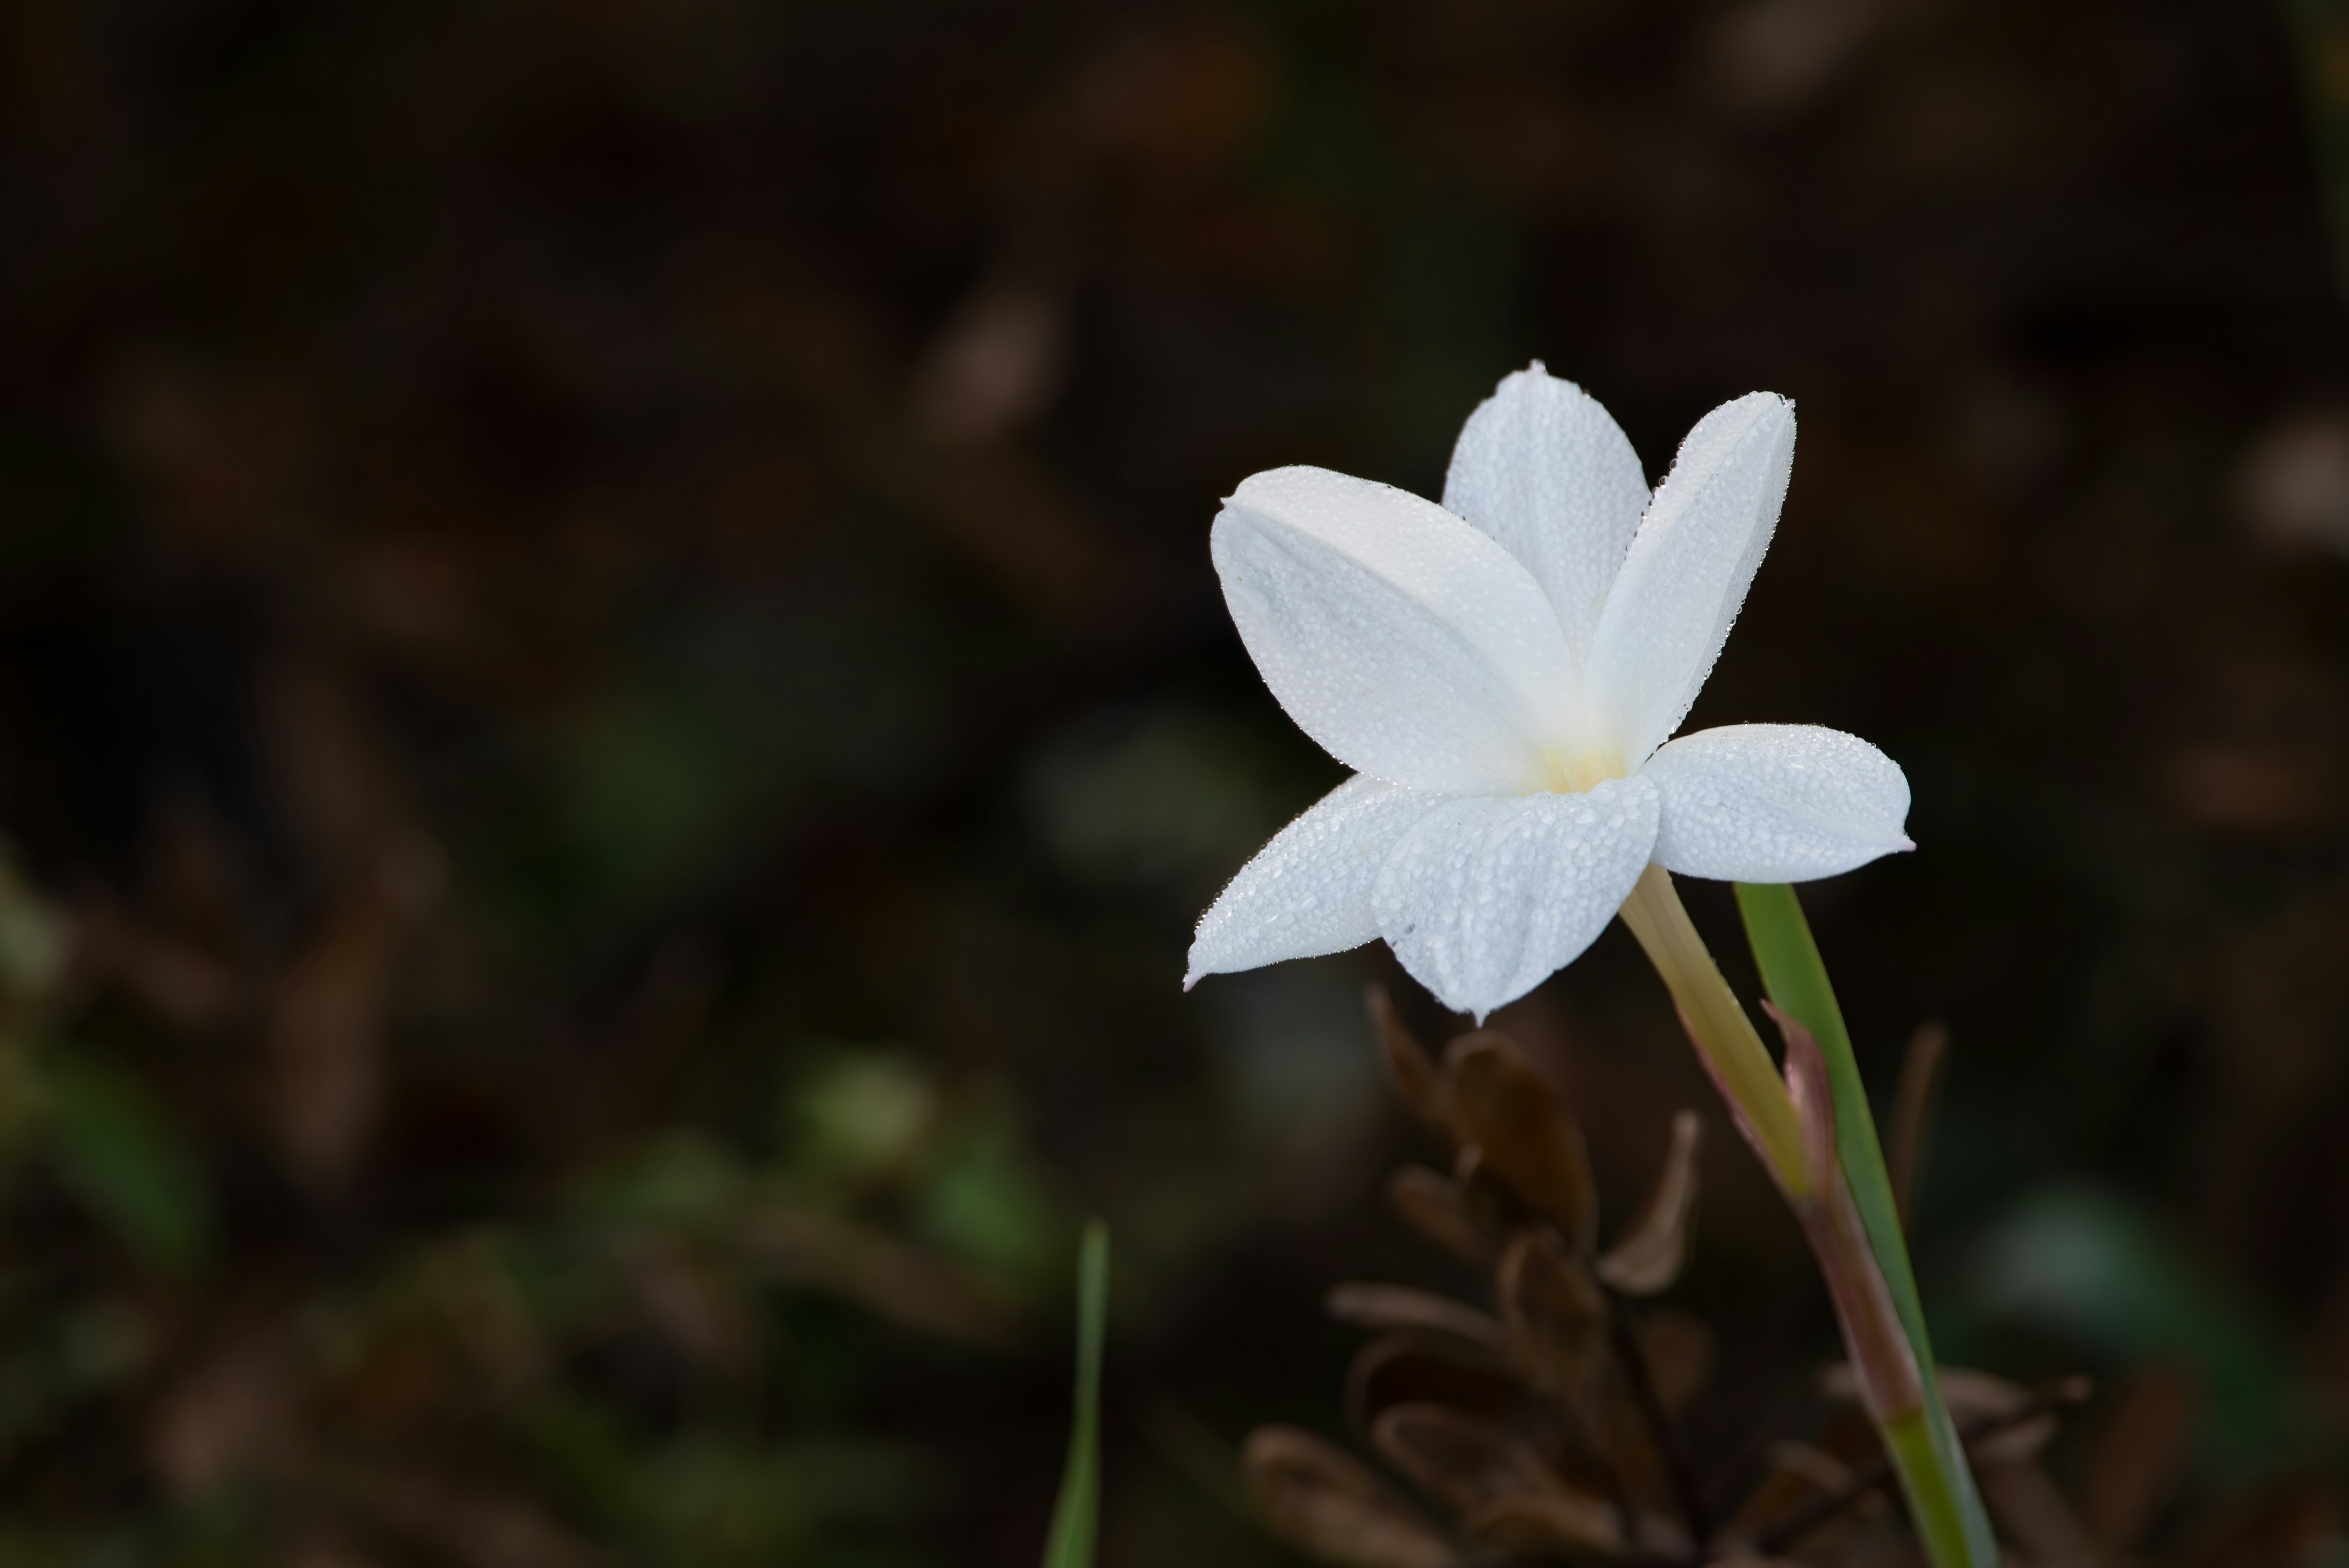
1927	1482
1931	1465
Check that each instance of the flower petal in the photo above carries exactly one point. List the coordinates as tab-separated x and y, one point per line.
1484	897
1307	891
1689	568
1409	645
1775	802
1543	468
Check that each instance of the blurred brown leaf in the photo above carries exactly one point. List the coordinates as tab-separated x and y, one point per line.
229	1417
902	1283
1557	1317
1515	1116
1543	1526
1468	1462
1425	1088
1773	57
1800	1472
1649	1257
1491	1204
2292	487
179	982
331	1010
1910	1134
1977	1398
1433	1205
1384	1308
2031	1511
1678	1349
997	362
697	1307
1412	1368
1325	1502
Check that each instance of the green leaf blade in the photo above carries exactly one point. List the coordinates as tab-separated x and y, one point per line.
125	1158
1076	1516
1795	977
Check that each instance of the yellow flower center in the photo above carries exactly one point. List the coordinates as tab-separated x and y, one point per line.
1581	770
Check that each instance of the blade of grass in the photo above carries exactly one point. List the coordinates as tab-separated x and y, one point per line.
1076	1517
1796	980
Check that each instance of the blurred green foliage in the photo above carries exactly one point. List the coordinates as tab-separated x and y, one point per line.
117	1151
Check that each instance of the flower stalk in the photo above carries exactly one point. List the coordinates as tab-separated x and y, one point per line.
1725	1040
1797	1125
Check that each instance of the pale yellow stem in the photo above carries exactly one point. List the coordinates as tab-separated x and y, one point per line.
1734	1053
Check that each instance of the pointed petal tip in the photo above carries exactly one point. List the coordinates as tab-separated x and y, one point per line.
1190	980
1905	845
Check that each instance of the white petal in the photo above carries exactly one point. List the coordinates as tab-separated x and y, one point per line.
1775	802
1485	897
1409	645
1543	468
1307	891
1689	565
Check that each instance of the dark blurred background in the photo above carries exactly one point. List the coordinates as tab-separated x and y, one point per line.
613	717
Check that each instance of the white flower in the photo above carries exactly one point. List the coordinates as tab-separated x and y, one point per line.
1504	672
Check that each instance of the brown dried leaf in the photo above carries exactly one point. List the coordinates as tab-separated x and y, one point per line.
1529	1137
1425	1091
1545	1526
997	362
183	984
697	1307
1466	1461
2033	1513
1799	1472
1975	1397
902	1283
1408	1367
1814	1465
1557	1317
1649	1257
332	1007
1491	1204
233	1416
1327	1503
1910	1133
1679	1353
1435	1206
1382	1308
